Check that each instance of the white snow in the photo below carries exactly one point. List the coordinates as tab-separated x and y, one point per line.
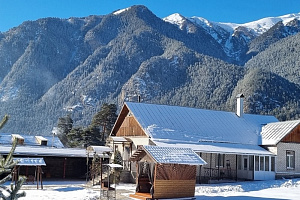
271	190
174	155
175	18
120	11
9	94
258	27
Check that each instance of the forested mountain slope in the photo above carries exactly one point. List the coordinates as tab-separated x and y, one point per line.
52	66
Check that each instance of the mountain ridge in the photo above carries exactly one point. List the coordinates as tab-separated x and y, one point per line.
51	67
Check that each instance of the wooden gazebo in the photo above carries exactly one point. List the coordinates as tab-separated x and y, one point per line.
165	172
30	162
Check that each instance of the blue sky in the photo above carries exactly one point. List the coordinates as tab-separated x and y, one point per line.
14	12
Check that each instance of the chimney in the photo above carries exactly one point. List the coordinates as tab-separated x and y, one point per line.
41	140
239	105
17	137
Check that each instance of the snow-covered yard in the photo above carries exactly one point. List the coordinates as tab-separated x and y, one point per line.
252	190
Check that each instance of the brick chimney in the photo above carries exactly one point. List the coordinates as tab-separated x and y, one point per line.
240	105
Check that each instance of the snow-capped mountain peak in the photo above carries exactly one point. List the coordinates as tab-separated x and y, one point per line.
175	18
233	37
258	27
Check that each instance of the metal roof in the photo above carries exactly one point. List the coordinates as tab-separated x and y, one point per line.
30	140
174	155
102	151
30	161
222	148
44	151
118	139
194	125
272	133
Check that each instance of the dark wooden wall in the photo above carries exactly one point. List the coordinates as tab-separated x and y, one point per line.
294	136
75	168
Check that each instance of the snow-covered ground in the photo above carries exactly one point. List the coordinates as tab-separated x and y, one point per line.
252	190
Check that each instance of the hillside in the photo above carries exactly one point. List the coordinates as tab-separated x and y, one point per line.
52	66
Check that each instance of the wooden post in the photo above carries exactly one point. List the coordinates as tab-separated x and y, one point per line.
236	167
37	177
26	171
101	168
210	169
15	174
41	176
154	179
65	163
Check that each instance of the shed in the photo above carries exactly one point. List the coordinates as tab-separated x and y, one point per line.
163	170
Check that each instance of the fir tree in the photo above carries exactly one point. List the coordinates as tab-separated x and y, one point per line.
6	165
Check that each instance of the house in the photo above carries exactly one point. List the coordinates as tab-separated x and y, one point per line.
163	170
60	162
283	140
233	144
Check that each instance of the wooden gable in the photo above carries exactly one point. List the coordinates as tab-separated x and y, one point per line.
130	127
293	136
126	125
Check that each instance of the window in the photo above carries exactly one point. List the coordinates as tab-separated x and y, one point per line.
239	162
267	163
251	164
220	160
290	159
245	163
256	163
262	163
272	163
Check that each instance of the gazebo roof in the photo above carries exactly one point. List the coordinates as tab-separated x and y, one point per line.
30	161
169	155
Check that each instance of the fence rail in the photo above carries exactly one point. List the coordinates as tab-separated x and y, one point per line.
219	173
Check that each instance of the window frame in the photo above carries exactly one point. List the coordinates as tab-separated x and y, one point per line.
290	159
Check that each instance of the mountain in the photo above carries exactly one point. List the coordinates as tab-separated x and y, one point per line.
236	39
51	66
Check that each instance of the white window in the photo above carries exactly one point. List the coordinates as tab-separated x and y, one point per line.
262	163
290	159
256	163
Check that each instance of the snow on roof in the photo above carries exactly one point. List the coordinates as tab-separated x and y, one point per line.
114	165
100	150
44	151
194	125
272	133
118	139
30	161
222	148
30	140
174	155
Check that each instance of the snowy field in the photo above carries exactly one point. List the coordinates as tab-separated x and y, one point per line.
252	190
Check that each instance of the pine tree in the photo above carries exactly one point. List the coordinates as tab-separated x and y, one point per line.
64	126
6	165
104	120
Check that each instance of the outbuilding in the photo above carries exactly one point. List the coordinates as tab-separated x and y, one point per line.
163	170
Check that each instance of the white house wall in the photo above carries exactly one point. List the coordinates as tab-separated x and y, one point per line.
281	169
